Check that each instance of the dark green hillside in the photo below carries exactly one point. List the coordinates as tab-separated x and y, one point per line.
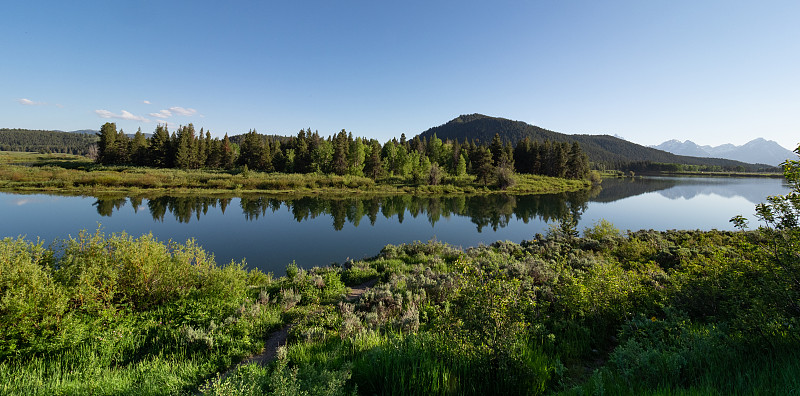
46	141
601	149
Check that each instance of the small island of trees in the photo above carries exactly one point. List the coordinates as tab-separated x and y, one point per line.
418	160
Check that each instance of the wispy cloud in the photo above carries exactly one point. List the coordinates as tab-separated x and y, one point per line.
183	111
146	101
162	114
125	115
29	102
175	111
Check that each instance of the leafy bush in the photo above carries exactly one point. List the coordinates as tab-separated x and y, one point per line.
33	307
358	272
601	230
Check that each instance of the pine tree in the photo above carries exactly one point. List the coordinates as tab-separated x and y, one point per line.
577	166
226	153
522	156
461	167
484	168
139	148
105	147
374	167
159	153
496	149
214	159
185	153
122	148
340	151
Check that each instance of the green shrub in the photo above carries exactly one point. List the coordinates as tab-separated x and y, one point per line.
601	230
358	272
33	307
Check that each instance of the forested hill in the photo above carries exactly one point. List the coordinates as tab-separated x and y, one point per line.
602	149
46	141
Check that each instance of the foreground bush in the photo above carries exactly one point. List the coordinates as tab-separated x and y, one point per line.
95	313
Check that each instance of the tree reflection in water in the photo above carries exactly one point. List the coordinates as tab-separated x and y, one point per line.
494	211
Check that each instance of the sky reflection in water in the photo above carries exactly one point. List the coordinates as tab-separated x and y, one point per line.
269	232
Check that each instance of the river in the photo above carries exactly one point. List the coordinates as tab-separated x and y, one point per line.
270	232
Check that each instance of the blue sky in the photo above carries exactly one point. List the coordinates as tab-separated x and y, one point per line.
710	71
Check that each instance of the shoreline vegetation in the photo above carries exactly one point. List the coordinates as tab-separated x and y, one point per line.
643	312
67	173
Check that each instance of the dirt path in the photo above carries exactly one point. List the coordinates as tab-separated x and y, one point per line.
278	338
357	291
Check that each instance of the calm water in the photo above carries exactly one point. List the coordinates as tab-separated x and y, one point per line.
268	232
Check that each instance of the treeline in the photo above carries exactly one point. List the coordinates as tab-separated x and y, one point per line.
46	141
659	167
422	160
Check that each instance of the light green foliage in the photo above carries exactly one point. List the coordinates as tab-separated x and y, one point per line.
292	271
33	306
601	230
95	313
358	272
310	287
461	166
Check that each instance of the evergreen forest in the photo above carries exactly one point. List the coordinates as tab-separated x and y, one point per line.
421	160
47	141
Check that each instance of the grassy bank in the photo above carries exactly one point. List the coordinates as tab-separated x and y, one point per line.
620	174
101	314
64	173
637	313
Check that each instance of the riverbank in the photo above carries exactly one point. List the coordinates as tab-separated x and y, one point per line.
31	172
643	312
620	174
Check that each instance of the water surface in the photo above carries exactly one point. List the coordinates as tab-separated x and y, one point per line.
269	232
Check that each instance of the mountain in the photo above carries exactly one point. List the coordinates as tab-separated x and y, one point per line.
682	148
757	151
609	150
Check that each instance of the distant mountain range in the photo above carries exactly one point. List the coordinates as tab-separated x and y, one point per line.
616	153
757	151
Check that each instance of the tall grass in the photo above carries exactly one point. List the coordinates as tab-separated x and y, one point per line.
93	369
26	171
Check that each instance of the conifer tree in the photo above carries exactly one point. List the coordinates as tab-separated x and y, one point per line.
374	167
105	147
461	167
484	168
226	153
340	150
139	148
577	166
159	153
185	153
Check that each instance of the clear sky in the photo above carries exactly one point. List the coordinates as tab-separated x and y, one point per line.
710	71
